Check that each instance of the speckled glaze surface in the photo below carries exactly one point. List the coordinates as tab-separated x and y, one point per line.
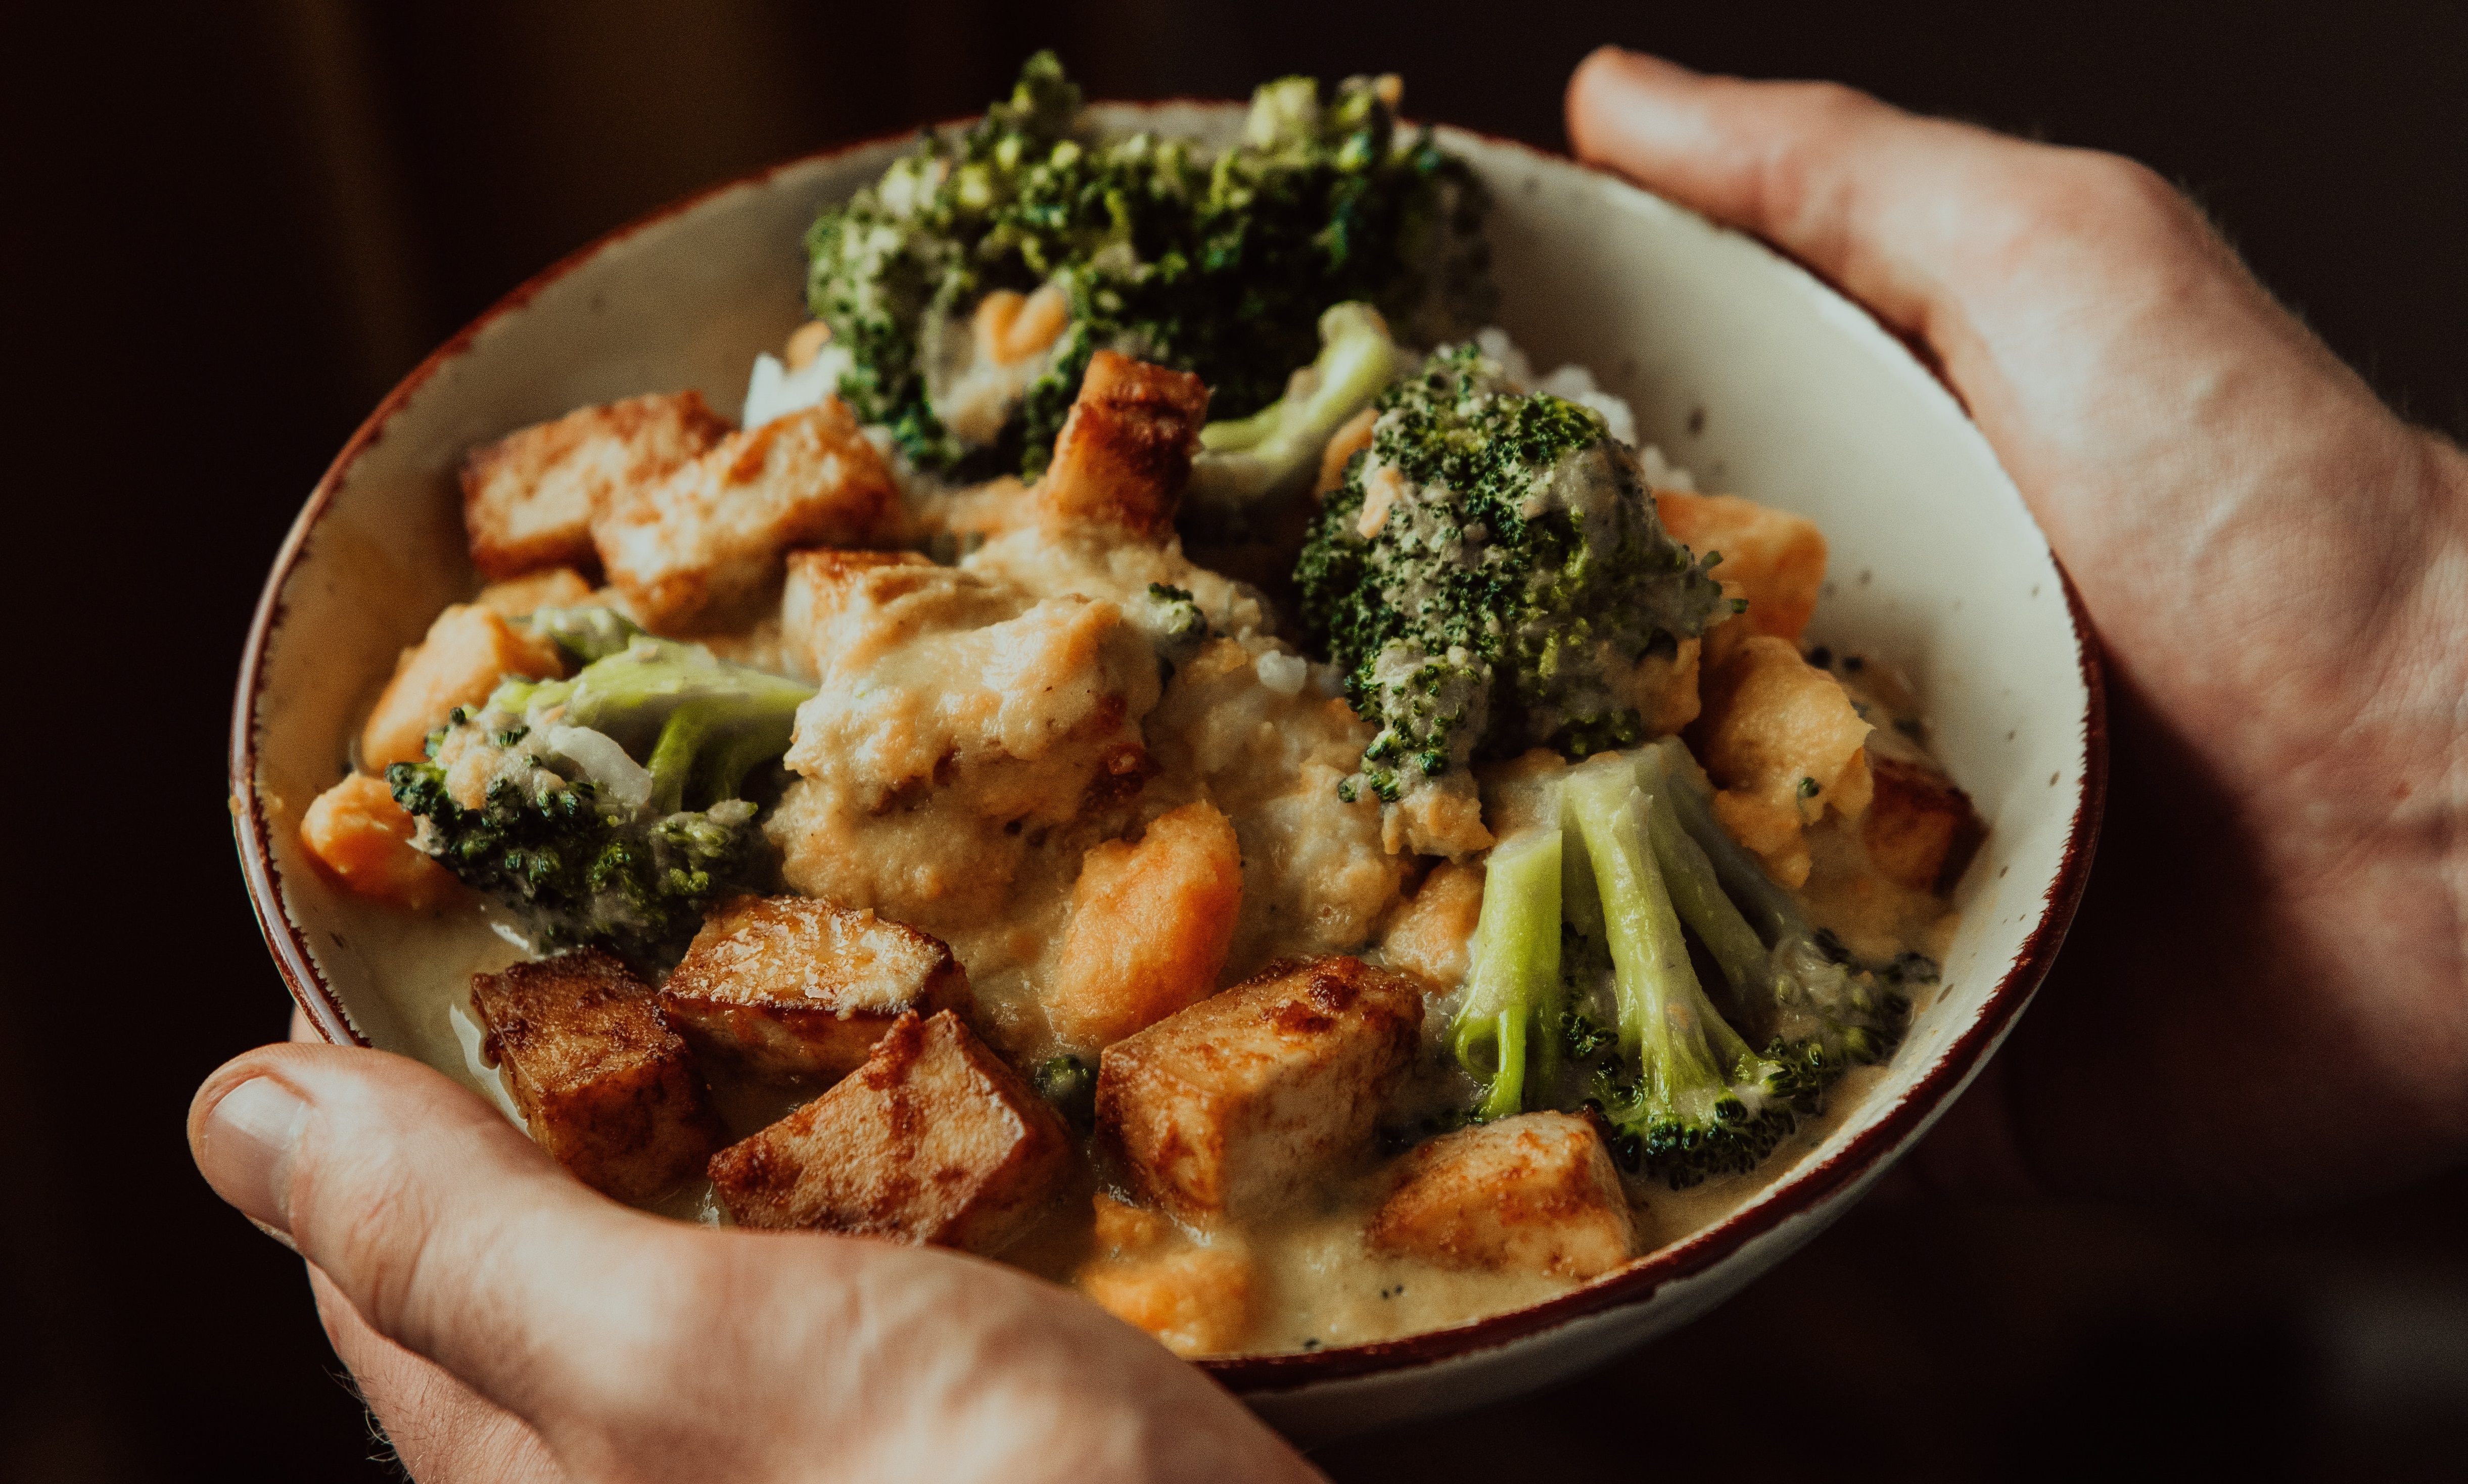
1741	366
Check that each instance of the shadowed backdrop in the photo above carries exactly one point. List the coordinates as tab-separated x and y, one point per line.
232	227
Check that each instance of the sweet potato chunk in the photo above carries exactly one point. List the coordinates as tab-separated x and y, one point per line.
1536	1193
1920	830
362	837
1194	1299
934	1140
1229	1107
1150	926
1125	451
1431	935
1772	558
528	498
796	985
693	549
1781	738
606	1088
468	650
557	588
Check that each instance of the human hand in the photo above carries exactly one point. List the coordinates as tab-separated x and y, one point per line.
2265	997
506	1324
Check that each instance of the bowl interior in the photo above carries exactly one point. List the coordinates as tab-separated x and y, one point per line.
1740	366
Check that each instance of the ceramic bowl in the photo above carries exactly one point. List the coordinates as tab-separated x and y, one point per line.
1740	365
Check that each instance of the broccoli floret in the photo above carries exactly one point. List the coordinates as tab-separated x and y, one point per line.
1512	983
1703	1102
1219	266
1820	1014
613	804
1583	912
1492	577
1276	452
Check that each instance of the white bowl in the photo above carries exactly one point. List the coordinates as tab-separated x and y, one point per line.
1739	364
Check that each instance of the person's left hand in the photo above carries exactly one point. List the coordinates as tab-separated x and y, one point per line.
506	1323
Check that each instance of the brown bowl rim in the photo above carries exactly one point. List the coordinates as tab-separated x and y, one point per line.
1289	1370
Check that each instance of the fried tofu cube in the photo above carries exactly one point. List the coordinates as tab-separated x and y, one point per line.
362	837
606	1088
528	498
935	1140
1194	1299
1784	744
692	550
795	984
824	583
466	651
1921	831
557	588
1536	1193
1772	558
1229	1107
1150	926
1431	936
1125	451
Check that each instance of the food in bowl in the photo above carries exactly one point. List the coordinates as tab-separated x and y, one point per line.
1304	877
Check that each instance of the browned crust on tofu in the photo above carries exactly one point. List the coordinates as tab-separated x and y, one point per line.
795	984
1921	831
935	1140
606	1088
1230	1106
1536	1193
1125	452
528	498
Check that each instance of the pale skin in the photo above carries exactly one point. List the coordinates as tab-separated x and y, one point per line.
2265	999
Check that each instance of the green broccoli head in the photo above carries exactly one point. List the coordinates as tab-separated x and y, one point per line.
1216	264
1582	987
1492	577
610	807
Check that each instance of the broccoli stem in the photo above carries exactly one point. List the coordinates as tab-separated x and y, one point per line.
1759	898
673	757
1514	985
1695	885
1649	956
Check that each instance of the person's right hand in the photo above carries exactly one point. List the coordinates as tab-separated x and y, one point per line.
2265	997
506	1324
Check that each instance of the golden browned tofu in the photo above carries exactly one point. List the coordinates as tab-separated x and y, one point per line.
1920	830
1430	936
1196	1299
606	1088
1150	926
1125	451
468	650
556	588
1231	1106
1536	1193
1782	740
693	550
362	837
528	499
824	583
796	985
934	1140
1772	558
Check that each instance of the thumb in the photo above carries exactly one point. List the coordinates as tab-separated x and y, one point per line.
449	1231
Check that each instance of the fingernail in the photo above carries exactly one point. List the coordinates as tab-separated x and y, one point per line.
249	1139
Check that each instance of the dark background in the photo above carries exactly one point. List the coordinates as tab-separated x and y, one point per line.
231	228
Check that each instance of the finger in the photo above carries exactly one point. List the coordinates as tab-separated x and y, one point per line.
441	1431
438	1223
303	1031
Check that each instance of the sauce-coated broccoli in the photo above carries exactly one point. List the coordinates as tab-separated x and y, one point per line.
1492	577
608	809
1216	264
